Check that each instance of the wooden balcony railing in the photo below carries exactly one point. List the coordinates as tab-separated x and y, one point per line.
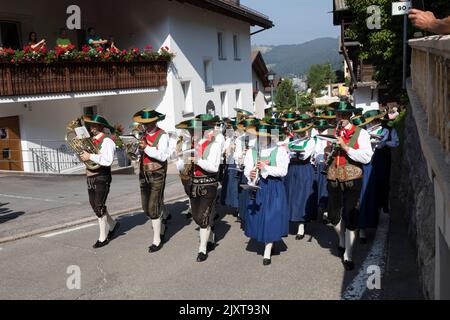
365	72
57	78
430	69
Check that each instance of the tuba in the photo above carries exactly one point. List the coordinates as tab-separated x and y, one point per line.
80	145
132	148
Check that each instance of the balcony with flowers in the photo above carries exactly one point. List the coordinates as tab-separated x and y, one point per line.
31	72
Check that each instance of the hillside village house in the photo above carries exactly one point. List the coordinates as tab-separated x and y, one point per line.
259	73
211	70
360	73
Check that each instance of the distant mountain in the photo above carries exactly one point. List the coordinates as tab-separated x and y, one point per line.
297	59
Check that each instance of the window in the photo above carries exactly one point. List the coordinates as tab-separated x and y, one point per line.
237	55
10	35
223	103
208	74
3	133
6	153
221	46
238	99
188	106
90	110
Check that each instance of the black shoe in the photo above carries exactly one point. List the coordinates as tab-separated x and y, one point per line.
113	231
188	215
326	221
349	265
363	240
210	246
154	248
341	251
100	244
202	257
267	262
300	237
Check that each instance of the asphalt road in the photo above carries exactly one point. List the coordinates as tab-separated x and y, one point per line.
29	203
36	268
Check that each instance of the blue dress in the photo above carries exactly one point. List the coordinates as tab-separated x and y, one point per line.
230	187
322	187
243	195
368	211
267	218
299	184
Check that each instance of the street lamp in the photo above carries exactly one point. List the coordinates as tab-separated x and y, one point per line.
271	77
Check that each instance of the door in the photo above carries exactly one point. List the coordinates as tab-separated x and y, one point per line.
10	144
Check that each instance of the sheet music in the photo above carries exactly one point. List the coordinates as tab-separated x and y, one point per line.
82	133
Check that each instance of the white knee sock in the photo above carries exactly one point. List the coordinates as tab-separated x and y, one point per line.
349	241
103	225
111	222
204	236
340	230
301	229
362	233
268	251
156	224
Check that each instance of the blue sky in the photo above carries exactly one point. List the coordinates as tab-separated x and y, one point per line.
296	21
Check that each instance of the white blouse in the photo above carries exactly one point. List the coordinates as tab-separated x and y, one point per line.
280	170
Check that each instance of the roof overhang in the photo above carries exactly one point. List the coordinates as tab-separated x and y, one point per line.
234	10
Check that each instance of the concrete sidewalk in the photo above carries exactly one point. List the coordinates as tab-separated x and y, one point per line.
42	203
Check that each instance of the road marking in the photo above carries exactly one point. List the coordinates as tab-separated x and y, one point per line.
38	199
50	235
375	257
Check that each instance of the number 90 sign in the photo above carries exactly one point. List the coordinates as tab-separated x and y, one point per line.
401	8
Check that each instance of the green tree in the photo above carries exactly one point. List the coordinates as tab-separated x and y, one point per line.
285	97
304	102
384	47
319	76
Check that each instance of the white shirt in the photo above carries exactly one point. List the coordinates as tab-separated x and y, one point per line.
309	149
161	153
365	152
182	160
212	163
106	156
280	170
229	141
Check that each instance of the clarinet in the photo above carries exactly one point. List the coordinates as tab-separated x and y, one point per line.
334	149
254	190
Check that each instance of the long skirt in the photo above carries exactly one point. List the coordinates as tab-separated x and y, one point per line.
368	212
299	184
243	195
267	218
230	187
322	187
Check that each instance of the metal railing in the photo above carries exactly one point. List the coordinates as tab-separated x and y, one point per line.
54	161
430	70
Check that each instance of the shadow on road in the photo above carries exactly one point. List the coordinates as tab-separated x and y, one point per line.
7	214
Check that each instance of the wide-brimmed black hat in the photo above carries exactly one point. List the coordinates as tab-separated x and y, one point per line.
148	115
194	124
322	124
263	130
209	118
362	120
98	119
301	126
246	123
345	107
289	117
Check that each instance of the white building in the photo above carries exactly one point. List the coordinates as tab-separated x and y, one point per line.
212	67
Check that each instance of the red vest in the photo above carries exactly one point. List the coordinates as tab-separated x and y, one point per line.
98	142
346	135
152	140
201	148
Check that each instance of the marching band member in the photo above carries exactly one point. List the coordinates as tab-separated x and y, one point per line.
368	215
184	167
231	179
153	170
244	143
205	183
323	127
266	218
299	181
99	181
352	150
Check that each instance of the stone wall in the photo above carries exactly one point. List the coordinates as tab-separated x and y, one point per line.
413	195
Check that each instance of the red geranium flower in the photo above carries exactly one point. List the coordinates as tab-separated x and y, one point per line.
148	47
